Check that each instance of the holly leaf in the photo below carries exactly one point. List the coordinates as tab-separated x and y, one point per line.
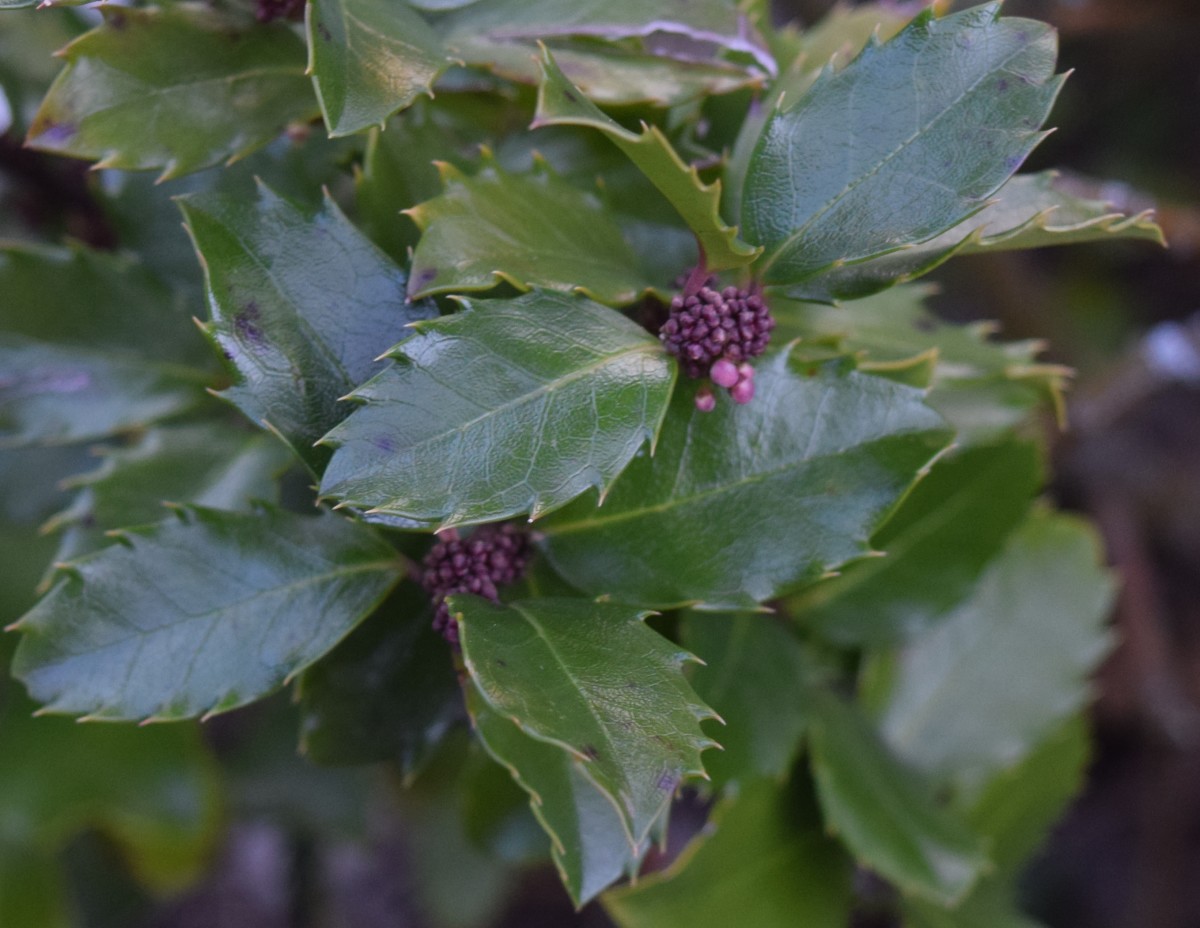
592	679
937	544
884	811
178	88
199	614
512	406
589	845
699	204
958	676
901	144
368	59
751	665
302	307
387	692
532	230
209	464
756	499
77	370
774	867
1030	211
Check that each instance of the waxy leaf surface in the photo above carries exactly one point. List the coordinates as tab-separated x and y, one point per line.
531	230
512	406
561	103
200	613
900	145
90	344
884	811
761	861
992	679
592	679
178	88
744	503
937	544
302	307
588	841
369	58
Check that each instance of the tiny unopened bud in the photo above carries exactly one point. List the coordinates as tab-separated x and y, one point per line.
705	401
743	391
724	373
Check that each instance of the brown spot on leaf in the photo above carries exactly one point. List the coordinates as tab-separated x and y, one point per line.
590	752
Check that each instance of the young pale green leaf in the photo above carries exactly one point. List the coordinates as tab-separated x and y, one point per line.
368	59
900	145
75	369
561	103
592	679
152	790
753	674
513	406
937	544
755	500
884	811
178	88
199	614
388	692
977	692
532	230
759	862
302	307
1030	211
206	463
588	841
620	52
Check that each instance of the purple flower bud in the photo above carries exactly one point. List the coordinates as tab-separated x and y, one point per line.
743	391
710	325
705	401
724	373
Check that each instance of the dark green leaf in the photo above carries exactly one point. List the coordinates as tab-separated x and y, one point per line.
201	613
900	145
209	464
938	542
991	905
992	679
388	692
178	88
75	369
884	811
302	306
588	841
31	889
369	58
513	406
753	675
592	679
754	499
531	230
561	103
759	863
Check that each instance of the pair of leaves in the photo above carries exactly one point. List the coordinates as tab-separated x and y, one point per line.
590	711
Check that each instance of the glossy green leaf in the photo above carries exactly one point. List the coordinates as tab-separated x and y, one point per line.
757	499
1030	211
592	679
992	679
388	692
532	230
884	811
209	464
512	406
588	841
936	545
153	790
754	675
759	862
178	88
368	59
200	613
900	145
618	52
75	369
561	103
302	306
